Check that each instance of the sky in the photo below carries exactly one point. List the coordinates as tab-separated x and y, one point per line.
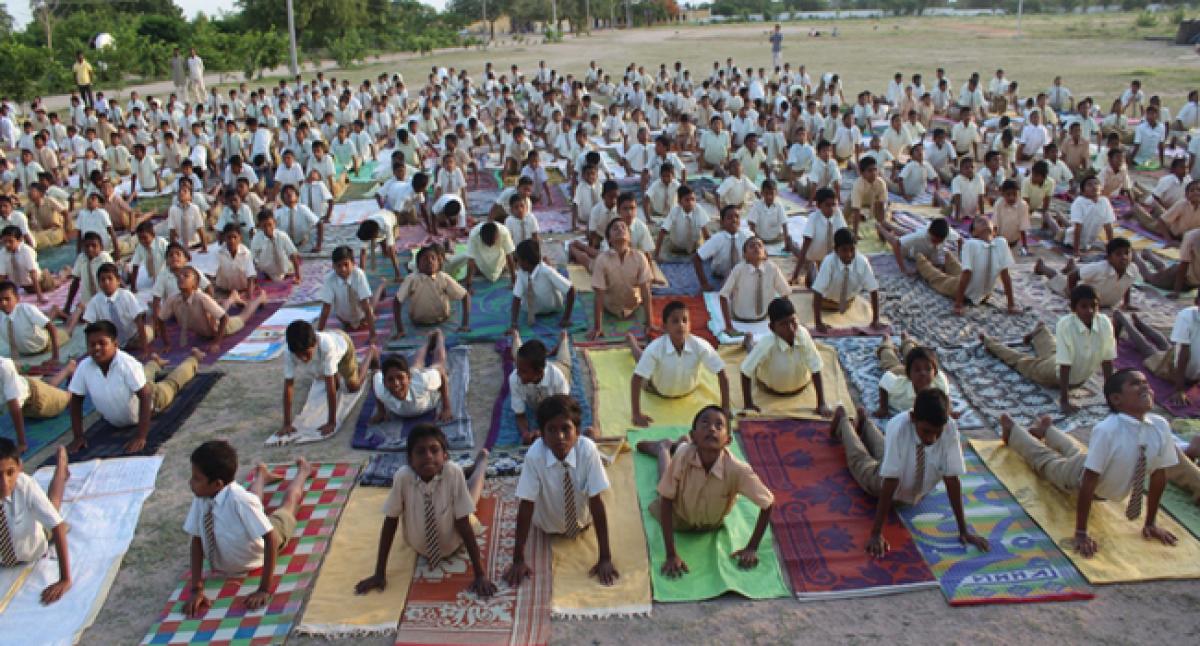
20	8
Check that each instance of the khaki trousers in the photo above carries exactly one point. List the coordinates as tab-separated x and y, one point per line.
863	455
1039	368
44	400
165	391
943	282
1059	460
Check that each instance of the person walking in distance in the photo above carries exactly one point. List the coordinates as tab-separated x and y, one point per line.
776	39
83	79
195	77
179	73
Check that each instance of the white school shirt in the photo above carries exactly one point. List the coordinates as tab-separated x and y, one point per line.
992	181
541	483
17	219
768	221
823	173
663	197
114	394
289	176
272	256
1090	217
943	458
325	167
1083	348
1148	138
315	196
18	265
858	277
969	190
521	229
1169	189
800	157
919	242
243	218
387	226
299	220
400	196
13	384
845	140
916	177
242	264
941	157
490	260
146	170
600	216
542	290
683	227
1060	172
736	190
239	524
30	516
451	182
964	136
1033	139
1187	332
587	196
1114	447
820	229
985	261
527	397
122	309
345	296
85	270
714	147
900	392
95	220
676	373
717	250
1110	287
424	393
186	222
331	347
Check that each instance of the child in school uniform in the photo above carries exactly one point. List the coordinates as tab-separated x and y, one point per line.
18	264
489	254
819	229
433	499
298	221
914	179
868	195
275	256
429	291
985	259
662	195
699	483
521	224
722	250
1180	218
669	366
588	193
1011	215
95	219
1037	190
119	306
315	195
968	194
379	228
906	373
346	294
784	363
533	378
124	391
539	286
767	218
736	189
534	170
327	357
1125	447
229	527
843	275
1177	277
1113	278
31	516
31	397
407	390
235	264
1172	358
751	286
149	257
167	283
621	279
560	488
685	225
200	314
24	329
185	222
1081	344
237	213
1091	213
904	463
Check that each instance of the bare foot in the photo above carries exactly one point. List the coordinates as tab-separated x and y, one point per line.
264	475
1006	427
836	421
1040	427
303	468
156	358
1039	267
1029	337
198	354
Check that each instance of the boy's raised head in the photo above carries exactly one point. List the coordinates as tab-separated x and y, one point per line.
931	411
784	323
754	251
10	466
529	254
1128	391
109	278
710	429
921	366
868	168
428	450
1085	303
844	245
214	466
92	244
419	182
531	361
396	377
559	417
101	341
939	230
826	200
1119	252
429	260
343	261
731	219
676	320
301	339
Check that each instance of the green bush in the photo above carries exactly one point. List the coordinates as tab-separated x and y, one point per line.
25	70
1146	19
348	49
1178	16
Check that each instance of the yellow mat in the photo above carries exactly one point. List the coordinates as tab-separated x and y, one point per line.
333	609
1139	242
578	595
612	371
581	278
857	315
1124	555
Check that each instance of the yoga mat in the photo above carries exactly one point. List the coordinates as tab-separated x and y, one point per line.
54	258
855	321
554	219
277	293
108	441
711	570
334	610
43	363
392	435
267	341
102	503
228	621
660	284
1023	564
315	413
1129	357
356	212
504	430
56	297
1182	506
312	278
822	518
577	595
1124	555
40	432
440	610
382	467
682	280
800	406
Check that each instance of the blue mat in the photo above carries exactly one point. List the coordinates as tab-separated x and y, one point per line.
504	430
392	435
683	280
53	259
41	432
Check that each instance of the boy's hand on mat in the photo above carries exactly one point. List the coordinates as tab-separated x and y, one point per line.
1085	545
463	329
605	572
564	322
1014	309
1159	534
198	605
971	538
824	411
373	582
642	420
747	558
730	331
959	310
214	348
135	445
55	591
258	599
876	546
482	587
516	573
674	567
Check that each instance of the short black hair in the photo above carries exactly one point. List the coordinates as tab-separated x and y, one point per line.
710	407
11	231
394	362
780	308
1083	292
98	327
940	227
529	251
109	268
342	252
422	431
866	163
8	450
488	233
824	194
217	460
1116	244
557	405
367	230
843	237
420	181
1115	383
671	308
534	353
300	336
7	286
920	353
931	406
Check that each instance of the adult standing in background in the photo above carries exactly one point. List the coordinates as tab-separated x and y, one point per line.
83	79
179	73
195	78
776	39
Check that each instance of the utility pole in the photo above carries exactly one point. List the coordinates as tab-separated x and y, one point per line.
293	61
587	12
554	15
1020	10
628	16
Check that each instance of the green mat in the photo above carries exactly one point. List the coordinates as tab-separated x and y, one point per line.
711	570
1179	504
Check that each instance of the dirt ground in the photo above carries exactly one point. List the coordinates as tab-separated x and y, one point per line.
244	406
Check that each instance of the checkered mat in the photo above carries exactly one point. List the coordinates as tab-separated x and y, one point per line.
228	622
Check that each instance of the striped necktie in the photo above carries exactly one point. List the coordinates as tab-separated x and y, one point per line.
8	554
570	514
844	294
433	547
210	536
1134	508
920	466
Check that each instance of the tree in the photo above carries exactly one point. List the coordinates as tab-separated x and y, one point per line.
6	22
318	22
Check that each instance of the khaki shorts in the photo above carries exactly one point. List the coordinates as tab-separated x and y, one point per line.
348	366
44	400
284	523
